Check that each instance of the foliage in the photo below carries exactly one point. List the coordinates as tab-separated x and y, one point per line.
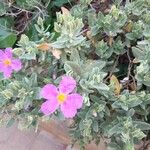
17	17
106	52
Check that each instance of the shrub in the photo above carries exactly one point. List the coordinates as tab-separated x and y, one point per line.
106	53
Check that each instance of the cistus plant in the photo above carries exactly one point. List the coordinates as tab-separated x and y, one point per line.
100	60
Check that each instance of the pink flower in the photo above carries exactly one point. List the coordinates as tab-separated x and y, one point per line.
7	63
62	96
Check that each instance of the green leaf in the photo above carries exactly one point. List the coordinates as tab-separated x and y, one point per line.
10	122
146	31
137	52
142	125
113	146
114	130
94	63
101	86
101	48
7	39
6	22
29	56
95	126
27	4
3	8
73	66
59	3
131	112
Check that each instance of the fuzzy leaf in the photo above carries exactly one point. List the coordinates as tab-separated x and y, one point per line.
142	125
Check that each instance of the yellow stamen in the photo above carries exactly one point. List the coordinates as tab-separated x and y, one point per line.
61	98
7	62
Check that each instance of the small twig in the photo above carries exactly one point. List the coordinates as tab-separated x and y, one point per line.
21	9
13	14
145	142
129	69
70	3
47	4
39	10
83	31
112	70
19	32
130	64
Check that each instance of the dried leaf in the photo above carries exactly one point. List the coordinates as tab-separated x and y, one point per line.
43	46
133	86
65	11
110	40
135	61
47	47
89	35
56	53
114	81
128	27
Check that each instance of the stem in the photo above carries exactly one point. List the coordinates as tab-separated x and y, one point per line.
129	146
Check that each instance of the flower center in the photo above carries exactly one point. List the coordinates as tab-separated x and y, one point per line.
7	62
61	98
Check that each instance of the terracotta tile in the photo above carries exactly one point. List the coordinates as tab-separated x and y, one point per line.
7	147
93	146
14	139
45	142
22	140
69	147
5	133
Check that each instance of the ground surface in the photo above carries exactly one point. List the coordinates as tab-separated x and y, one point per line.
14	139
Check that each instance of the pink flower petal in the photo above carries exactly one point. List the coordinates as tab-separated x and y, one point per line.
2	67
68	111
8	52
70	106
67	84
76	100
16	64
2	55
7	72
49	106
49	91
